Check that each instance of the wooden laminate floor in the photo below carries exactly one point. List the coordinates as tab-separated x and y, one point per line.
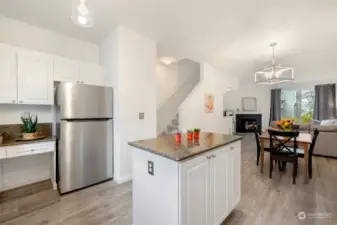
264	201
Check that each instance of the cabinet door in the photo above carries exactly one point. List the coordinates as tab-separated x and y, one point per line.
218	186
91	74
233	177
195	176
65	70
237	176
35	78
8	75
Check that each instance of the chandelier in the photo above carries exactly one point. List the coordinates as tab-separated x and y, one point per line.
82	14
274	74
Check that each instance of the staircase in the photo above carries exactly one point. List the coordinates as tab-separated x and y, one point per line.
167	116
173	126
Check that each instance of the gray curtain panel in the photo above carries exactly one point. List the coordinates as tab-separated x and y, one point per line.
325	102
275	105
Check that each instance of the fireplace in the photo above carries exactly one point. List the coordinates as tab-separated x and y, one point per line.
245	121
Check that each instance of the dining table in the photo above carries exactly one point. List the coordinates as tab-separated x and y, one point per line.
303	142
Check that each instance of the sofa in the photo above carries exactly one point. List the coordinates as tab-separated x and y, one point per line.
326	144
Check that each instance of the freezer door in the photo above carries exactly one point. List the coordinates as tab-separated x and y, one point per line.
80	101
85	153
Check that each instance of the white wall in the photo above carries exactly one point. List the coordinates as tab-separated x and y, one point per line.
232	100
191	112
32	37
23	35
129	60
170	77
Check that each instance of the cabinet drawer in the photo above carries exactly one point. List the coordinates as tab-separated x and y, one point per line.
2	153
30	149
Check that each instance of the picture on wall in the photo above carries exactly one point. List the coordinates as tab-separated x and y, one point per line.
249	104
209	103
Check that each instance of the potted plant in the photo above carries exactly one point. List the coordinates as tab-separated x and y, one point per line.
178	137
190	134
196	133
29	126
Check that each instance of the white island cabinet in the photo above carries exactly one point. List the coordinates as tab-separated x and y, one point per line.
174	188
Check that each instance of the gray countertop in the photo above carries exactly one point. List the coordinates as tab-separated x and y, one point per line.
14	142
166	146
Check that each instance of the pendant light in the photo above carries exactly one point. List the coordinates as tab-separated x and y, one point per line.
274	74
82	13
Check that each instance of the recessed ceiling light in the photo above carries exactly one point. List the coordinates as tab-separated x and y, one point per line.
167	60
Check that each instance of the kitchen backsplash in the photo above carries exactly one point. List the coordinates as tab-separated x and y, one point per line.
14	130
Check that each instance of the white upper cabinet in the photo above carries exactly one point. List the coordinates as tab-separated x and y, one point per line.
65	70
35	78
8	75
27	76
68	70
91	74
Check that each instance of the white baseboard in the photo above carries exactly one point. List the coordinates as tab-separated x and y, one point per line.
54	185
124	179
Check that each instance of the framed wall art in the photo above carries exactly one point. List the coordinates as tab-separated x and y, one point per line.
209	103
249	104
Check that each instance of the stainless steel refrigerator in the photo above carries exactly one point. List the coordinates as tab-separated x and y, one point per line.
85	135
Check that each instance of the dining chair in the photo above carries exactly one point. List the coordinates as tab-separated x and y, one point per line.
257	133
258	143
280	150
300	152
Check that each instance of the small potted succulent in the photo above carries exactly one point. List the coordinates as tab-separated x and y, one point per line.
178	137
196	133
29	126
190	134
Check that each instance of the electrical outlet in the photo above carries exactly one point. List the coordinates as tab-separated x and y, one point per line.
150	168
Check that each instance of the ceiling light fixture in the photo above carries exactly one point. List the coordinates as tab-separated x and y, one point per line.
82	14
274	74
167	60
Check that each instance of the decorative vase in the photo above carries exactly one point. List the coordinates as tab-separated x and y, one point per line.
190	136
28	136
178	137
196	134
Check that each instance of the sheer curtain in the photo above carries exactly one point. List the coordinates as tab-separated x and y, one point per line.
325	102
275	105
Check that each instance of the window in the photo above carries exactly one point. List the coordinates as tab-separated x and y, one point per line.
297	105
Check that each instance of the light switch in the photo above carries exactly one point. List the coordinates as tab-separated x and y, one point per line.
141	115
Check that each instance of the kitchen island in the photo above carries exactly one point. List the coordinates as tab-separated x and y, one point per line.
194	182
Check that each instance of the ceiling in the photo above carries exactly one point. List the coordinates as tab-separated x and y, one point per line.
232	35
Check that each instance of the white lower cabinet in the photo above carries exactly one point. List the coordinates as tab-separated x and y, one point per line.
219	206
25	164
210	186
195	191
202	190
